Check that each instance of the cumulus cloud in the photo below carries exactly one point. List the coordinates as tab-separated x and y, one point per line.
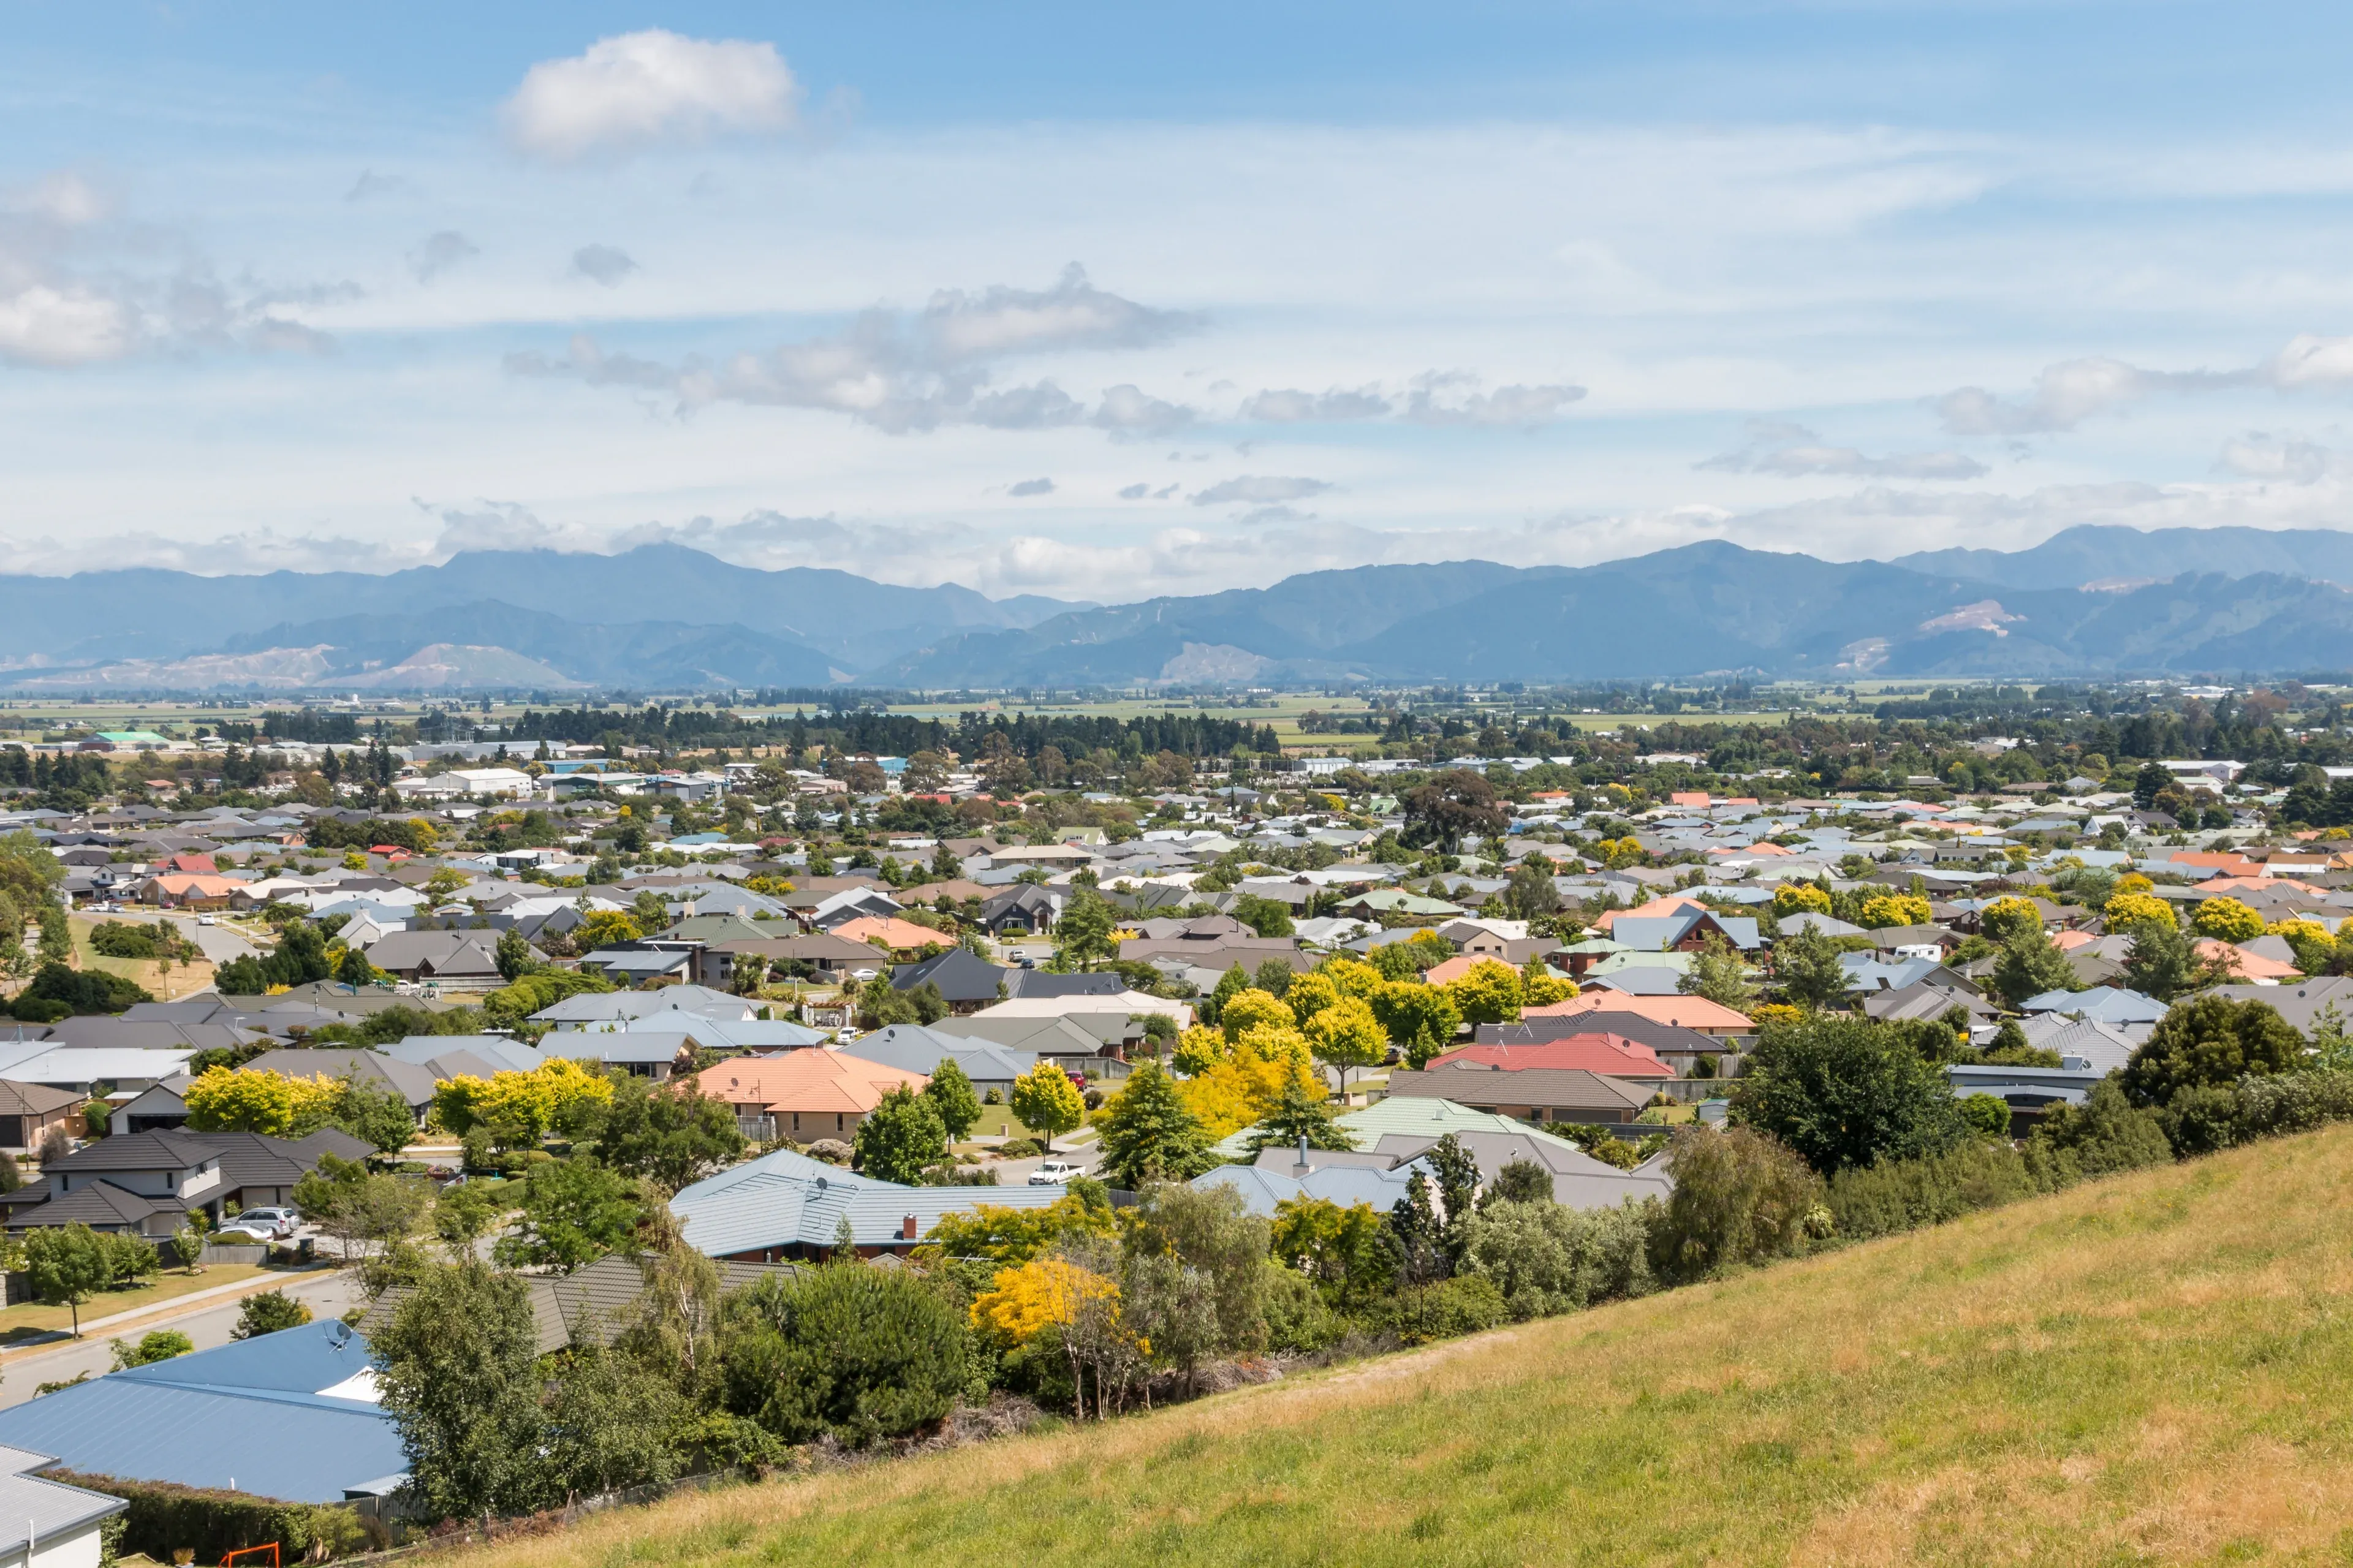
1283	406
2292	460
440	252
604	264
1252	489
649	88
1032	487
1793	450
904	372
1135	493
2066	394
1442	398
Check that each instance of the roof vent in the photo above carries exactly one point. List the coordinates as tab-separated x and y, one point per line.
907	1229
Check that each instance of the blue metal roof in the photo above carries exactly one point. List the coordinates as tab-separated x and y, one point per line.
784	1199
249	1415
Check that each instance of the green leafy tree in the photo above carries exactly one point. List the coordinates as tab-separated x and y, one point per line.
375	1114
1843	1091
671	1134
159	1345
2209	1041
1046	1101
611	1419
1347	1035
574	1211
1806	967
1719	974
1988	1114
1147	1133
67	1265
187	1245
902	1137
1300	1113
1351	1254
1453	806
267	1313
952	1095
459	1369
1741	1196
463	1214
2105	1135
1084	935
1531	894
863	1354
1419	1018
2031	965
2163	963
1267	917
514	956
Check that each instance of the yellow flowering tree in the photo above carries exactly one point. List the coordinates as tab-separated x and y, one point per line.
1247	1010
1797	898
1239	1089
2124	912
1310	995
1199	1048
1346	1035
223	1099
1893	910
1014	1236
551	1096
1352	977
2226	919
1489	993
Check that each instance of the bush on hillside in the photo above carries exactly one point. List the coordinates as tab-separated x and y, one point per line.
1844	1091
2105	1134
1547	1258
1740	1196
2209	1041
863	1354
1448	1308
1905	1195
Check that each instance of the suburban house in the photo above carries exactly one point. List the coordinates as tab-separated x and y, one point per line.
28	1111
1530	1094
65	1526
913	1047
1024	909
454	960
966	982
413	1083
158	1108
803	1095
1680	1049
784	1206
1594	1052
292	1416
144	1184
594	1009
904	941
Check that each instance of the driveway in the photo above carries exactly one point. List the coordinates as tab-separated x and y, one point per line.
329	1295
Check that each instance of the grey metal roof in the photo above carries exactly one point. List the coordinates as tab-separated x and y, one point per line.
250	1413
46	1508
911	1048
784	1205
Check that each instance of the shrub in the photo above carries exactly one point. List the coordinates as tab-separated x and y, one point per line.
1741	1196
1903	1195
164	1519
1450	1308
269	1313
2105	1134
1988	1113
1297	1318
2210	1041
861	1353
1847	1091
2281	1103
1021	1148
1546	1258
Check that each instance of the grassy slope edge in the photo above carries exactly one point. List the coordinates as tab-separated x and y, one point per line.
2147	1369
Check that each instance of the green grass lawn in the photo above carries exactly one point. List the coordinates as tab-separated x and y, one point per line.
180	980
999	1122
30	1319
2146	1370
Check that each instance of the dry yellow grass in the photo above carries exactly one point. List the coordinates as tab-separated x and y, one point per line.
2148	1369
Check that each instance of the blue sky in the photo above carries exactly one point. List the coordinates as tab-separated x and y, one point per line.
1104	301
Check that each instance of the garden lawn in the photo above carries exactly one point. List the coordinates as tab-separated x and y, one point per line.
2150	1369
180	980
32	1318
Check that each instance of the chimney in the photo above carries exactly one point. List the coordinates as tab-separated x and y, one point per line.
907	1229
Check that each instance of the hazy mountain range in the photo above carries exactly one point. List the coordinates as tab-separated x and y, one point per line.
2089	600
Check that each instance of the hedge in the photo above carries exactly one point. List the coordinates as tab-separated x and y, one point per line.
165	1518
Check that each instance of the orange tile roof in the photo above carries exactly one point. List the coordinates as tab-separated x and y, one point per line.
1665	906
1688	798
2244	965
1683	1012
1461	965
1598	1052
897	933
813	1079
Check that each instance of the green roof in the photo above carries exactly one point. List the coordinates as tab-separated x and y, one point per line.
1414	1116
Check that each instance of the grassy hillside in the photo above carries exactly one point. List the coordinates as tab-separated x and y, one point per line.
2149	1369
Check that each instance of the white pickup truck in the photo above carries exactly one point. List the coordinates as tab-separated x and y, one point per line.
1054	1174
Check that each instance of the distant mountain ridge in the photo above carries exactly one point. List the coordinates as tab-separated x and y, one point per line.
2090	601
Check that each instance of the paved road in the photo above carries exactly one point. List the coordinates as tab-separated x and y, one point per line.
1086	1156
329	1295
218	943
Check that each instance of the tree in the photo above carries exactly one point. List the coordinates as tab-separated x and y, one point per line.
1846	1091
2105	1134
1351	1254
187	1245
1418	1019
463	1214
267	1313
1346	1035
1046	1101
1799	897
1888	910
1806	966
1452	805
1251	1009
1212	1230
515	956
671	1134
861	1353
1085	934
2209	1041
1531	893
2030	965
2009	918
1489	992
603	928
2163	963
1719	974
369	1215
68	1265
2226	919
375	1114
2129	911
951	1094
159	1345
1148	1134
574	1212
902	1137
223	1099
1267	917
355	971
458	1369
1300	1113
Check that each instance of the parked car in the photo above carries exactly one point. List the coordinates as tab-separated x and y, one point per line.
1054	1174
207	920
241	1232
278	1223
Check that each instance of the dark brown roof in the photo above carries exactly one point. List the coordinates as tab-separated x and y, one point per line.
34	1099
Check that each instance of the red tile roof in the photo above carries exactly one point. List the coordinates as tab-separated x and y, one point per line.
1614	1055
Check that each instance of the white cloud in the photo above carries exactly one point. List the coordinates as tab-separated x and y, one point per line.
1128	413
2258	455
1072	314
1254	490
1032	487
2309	360
605	264
1283	406
440	252
643	89
1506	407
1792	451
2066	394
74	325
